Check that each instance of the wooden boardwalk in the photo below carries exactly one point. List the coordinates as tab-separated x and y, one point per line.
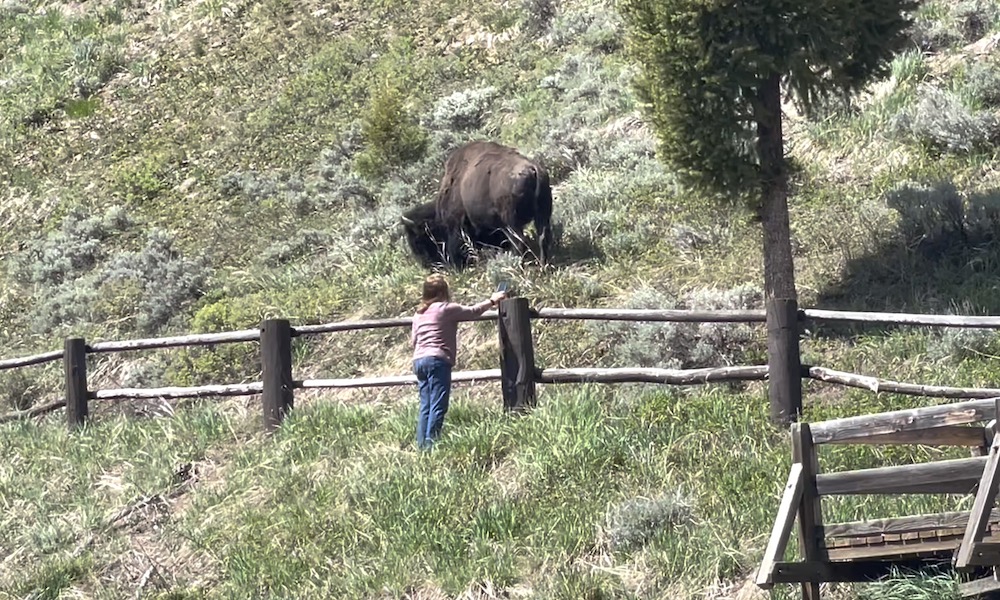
968	541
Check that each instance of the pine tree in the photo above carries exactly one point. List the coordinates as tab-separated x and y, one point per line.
711	79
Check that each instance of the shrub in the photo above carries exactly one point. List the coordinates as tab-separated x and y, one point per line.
18	390
982	82
251	185
164	280
147	372
603	209
66	304
93	63
982	215
303	242
591	190
369	230
958	344
225	363
565	149
596	26
10	8
933	35
463	110
626	145
538	15
941	122
688	239
141	181
578	101
975	18
683	345
928	213
399	192
937	219
725	343
418	181
74	249
332	180
391	135
77	280
631	524
604	32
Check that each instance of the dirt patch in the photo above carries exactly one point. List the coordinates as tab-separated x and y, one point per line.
158	560
156	557
509	479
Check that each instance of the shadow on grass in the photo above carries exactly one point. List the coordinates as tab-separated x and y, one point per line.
942	258
572	249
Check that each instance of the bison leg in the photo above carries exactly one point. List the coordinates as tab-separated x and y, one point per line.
518	241
543	230
543	218
544	233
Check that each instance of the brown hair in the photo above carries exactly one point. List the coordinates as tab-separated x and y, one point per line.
435	290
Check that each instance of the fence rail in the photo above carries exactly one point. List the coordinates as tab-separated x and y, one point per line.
197	339
372	324
902	318
201	391
895	387
652	375
27	361
648	314
518	372
394	381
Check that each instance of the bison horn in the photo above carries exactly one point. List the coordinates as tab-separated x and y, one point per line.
406	220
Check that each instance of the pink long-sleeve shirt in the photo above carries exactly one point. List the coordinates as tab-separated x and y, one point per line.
435	331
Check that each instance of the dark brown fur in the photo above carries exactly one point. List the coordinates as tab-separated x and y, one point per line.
490	190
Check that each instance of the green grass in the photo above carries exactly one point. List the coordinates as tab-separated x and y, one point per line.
252	137
340	503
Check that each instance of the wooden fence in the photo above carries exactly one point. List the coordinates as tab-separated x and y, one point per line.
517	372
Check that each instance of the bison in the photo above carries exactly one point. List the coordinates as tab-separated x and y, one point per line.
428	238
488	194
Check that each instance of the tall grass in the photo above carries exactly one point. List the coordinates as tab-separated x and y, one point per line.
247	136
341	503
615	492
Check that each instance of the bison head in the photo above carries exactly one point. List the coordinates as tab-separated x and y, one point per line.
425	235
434	242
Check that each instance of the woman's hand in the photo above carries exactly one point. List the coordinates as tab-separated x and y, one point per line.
497	297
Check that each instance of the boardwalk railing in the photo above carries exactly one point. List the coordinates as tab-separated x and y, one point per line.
517	372
870	549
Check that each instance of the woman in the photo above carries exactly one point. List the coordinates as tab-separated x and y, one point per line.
434	340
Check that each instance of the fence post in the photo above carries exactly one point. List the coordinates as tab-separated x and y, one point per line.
75	370
783	360
276	367
517	355
810	508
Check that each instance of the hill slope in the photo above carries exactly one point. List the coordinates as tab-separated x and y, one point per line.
198	166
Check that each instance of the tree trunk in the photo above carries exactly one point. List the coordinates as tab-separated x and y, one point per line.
779	272
783	358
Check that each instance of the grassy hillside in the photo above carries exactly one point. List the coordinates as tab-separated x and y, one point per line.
200	165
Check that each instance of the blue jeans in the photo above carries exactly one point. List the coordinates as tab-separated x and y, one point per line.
434	382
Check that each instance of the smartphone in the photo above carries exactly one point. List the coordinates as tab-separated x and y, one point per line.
503	286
